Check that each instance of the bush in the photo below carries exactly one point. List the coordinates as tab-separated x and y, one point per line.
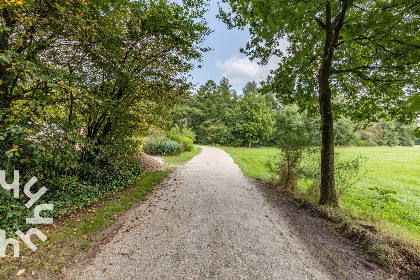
296	134
185	137
346	172
169	148
68	193
151	146
360	143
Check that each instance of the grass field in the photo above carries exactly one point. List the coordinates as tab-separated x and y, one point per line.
388	168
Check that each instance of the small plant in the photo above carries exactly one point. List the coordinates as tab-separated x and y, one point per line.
360	143
383	196
346	172
184	136
151	146
296	134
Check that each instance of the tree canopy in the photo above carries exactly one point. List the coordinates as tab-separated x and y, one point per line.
365	51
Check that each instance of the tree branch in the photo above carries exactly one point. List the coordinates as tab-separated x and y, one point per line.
321	24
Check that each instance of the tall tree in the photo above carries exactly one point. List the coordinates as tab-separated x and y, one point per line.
254	120
99	71
365	50
211	110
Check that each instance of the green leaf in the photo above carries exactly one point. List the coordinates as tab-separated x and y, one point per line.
414	103
416	132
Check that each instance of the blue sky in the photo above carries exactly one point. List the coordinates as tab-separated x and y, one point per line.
225	59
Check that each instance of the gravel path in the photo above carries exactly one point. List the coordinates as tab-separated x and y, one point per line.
205	221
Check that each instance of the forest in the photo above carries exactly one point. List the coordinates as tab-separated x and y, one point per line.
219	115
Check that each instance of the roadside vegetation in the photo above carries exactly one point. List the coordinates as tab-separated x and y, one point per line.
71	235
379	206
80	87
389	168
78	231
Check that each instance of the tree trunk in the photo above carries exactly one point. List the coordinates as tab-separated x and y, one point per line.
328	194
249	144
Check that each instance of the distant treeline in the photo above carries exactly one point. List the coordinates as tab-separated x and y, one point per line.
218	115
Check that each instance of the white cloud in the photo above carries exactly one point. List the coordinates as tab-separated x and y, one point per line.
242	70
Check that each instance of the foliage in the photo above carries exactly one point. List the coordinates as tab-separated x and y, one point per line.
219	116
164	147
210	112
358	33
391	133
365	51
344	134
253	121
80	81
295	131
173	142
295	134
169	148
151	146
184	136
383	196
69	193
413	104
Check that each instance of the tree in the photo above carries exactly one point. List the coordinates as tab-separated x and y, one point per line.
366	51
254	120
344	132
99	72
211	111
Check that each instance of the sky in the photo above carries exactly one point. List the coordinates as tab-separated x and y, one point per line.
225	59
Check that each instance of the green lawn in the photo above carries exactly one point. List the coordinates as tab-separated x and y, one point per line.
253	161
182	158
390	168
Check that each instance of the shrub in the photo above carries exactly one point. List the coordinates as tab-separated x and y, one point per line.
169	148
295	134
151	146
346	172
185	137
360	143
187	144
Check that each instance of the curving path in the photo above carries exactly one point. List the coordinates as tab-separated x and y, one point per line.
206	221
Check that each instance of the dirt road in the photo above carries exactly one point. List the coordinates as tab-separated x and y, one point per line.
207	221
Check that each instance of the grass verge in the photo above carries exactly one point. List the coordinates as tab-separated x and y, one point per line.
73	234
183	158
68	237
389	232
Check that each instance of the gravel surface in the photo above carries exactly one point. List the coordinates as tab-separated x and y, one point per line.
206	221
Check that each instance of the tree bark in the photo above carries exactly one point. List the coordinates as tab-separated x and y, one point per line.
328	194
